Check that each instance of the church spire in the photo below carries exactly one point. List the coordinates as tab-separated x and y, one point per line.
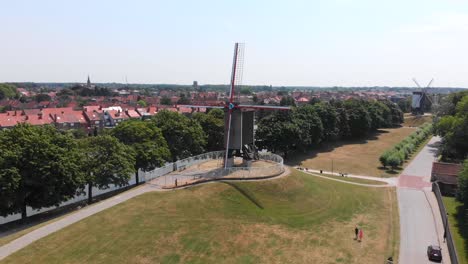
88	84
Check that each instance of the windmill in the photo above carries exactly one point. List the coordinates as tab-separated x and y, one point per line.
238	118
421	101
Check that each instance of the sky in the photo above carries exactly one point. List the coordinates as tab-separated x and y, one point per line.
291	43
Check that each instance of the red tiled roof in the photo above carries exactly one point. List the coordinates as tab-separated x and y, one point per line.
446	169
38	119
10	120
185	110
115	114
92	108
93	116
132	113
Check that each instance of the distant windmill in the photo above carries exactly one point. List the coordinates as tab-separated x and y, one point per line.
238	118
421	101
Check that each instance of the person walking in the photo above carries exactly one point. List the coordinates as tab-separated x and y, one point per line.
356	231
360	235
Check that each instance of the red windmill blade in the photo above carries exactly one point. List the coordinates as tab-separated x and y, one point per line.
236	79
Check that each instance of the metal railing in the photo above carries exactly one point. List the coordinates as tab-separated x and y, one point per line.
217	171
448	235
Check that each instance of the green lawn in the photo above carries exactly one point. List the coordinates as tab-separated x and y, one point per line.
295	219
458	221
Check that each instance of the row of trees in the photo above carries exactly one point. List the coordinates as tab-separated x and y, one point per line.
395	156
309	125
452	126
41	166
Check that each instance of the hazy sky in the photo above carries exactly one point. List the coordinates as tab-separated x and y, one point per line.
314	43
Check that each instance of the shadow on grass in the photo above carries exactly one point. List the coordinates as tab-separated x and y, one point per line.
245	193
297	157
462	225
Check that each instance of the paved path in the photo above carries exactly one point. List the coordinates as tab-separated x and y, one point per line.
420	221
46	230
390	182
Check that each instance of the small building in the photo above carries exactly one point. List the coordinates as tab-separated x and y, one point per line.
446	174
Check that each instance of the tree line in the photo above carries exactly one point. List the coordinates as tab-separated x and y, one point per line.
41	166
452	125
397	155
306	126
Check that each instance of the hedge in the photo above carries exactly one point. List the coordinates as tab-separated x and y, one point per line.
395	156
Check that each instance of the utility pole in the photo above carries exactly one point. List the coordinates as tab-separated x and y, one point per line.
332	166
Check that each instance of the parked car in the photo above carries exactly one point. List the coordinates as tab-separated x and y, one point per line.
434	253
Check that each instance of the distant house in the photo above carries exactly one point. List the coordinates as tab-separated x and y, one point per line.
94	116
66	118
114	117
446	174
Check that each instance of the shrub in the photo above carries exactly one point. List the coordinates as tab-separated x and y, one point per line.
384	158
394	161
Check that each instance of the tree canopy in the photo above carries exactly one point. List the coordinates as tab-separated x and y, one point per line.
452	126
212	124
147	141
106	161
184	136
38	168
7	91
309	125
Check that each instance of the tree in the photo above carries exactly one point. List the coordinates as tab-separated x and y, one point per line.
287	100
330	120
255	98
246	91
38	168
183	99
184	136
394	161
147	141
462	192
405	104
7	91
453	127
141	103
42	97
278	133
309	124
359	119
213	126
166	100
106	161
384	158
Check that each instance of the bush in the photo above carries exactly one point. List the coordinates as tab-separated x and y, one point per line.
402	151
394	160
384	158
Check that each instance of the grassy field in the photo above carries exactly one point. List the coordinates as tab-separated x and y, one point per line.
295	219
415	121
359	157
459	227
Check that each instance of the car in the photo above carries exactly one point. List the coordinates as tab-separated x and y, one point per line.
434	252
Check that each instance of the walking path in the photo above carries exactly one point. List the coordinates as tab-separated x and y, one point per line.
48	229
390	182
420	220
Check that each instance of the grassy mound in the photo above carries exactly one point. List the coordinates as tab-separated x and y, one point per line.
296	219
